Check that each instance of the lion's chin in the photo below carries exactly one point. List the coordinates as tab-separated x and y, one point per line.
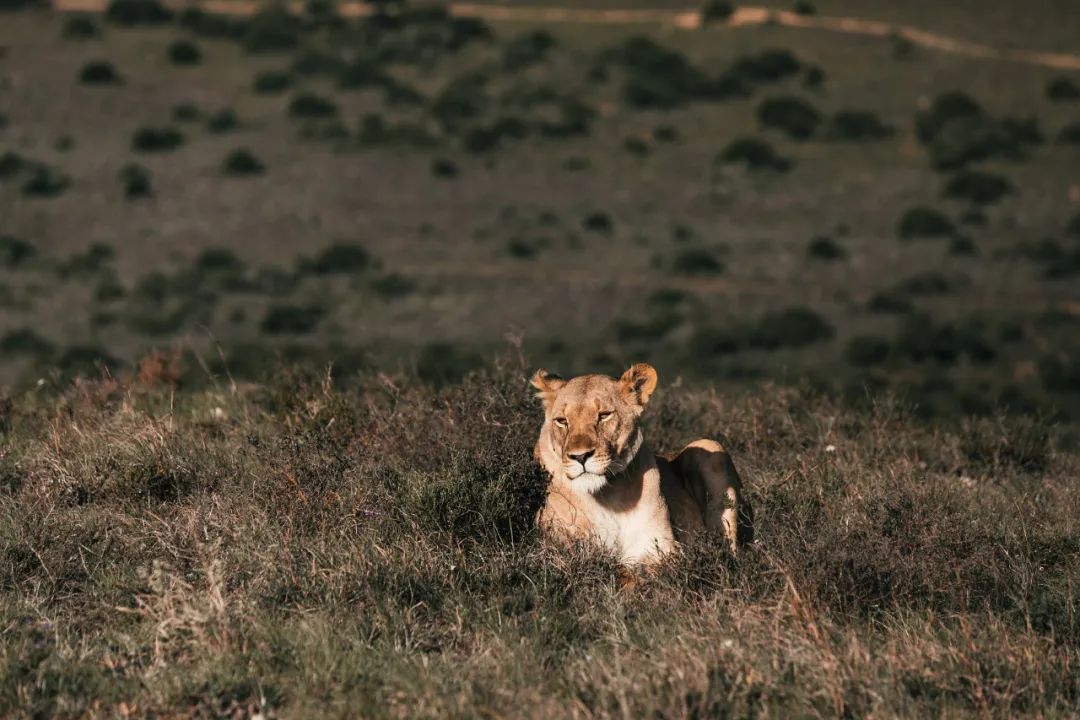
590	483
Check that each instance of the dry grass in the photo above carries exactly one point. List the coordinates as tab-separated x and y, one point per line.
311	548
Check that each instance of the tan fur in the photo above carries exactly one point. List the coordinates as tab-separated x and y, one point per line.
607	486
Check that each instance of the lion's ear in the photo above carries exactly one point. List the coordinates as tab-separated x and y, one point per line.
638	383
547	385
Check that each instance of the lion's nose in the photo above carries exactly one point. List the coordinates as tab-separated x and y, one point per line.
581	456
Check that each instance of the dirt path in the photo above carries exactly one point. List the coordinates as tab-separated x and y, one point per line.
688	19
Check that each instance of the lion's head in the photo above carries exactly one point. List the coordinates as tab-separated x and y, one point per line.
591	424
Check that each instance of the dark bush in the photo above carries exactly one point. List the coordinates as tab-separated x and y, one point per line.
656	77
212	25
813	78
697	261
717	11
242	163
223	121
930	282
309	105
857	125
792	115
272	82
824	247
443	168
1070	134
283	319
486	137
755	154
273	29
86	361
526	49
768	66
341	258
393	286
362	73
636	146
15	252
1060	372
665	133
81	27
138	12
978	187
923	340
156	139
185	53
1073	226
922	221
443	364
805	7
1062	88
522	249
598	222
186	112
45	182
793	327
867	350
463	100
13	164
316	62
136	182
99	72
25	341
945	109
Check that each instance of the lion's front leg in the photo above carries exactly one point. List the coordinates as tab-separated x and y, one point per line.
707	468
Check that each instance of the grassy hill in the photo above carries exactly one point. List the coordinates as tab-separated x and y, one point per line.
307	549
762	202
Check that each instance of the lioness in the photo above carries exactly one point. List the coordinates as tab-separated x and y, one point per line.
607	485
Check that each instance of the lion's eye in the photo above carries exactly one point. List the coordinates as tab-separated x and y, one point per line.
605	415
560	421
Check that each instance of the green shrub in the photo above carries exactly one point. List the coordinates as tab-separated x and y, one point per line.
281	319
922	340
316	62
393	286
130	13
867	351
156	139
598	222
25	341
792	327
81	27
636	146
443	364
311	106
805	7
792	115
665	133
242	163
656	77
813	78
946	108
978	187
99	72
45	182
922	221
526	49
272	82
109	288
768	66
824	247
15	252
186	112
341	258
212	25
522	249
86	361
1073	226
364	72
1062	88
857	125
184	53
931	282
717	11
443	168
273	29
223	121
136	181
697	261
1070	134
755	154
